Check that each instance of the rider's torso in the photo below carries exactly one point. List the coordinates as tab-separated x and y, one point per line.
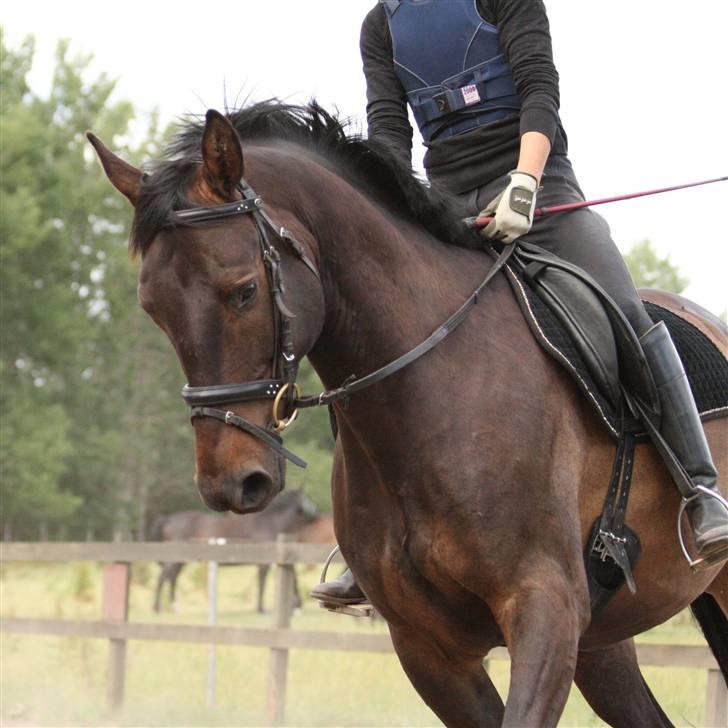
465	85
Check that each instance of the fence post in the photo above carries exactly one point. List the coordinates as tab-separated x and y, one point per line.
282	612
115	608
212	621
716	701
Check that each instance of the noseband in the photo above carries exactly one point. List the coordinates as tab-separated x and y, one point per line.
282	388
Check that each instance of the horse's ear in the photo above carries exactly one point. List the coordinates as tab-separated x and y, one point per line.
222	155
125	177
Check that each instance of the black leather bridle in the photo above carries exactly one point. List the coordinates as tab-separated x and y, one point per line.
282	388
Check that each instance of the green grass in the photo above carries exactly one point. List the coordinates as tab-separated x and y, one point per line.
48	681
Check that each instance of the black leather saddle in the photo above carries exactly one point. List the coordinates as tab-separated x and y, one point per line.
599	331
578	324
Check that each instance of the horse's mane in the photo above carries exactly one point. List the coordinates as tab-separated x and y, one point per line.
368	164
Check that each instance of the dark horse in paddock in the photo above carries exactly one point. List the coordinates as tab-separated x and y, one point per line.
465	485
289	512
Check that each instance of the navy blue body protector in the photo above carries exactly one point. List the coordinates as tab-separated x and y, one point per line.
451	65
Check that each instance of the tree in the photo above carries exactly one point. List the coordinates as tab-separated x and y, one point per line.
649	270
94	438
67	327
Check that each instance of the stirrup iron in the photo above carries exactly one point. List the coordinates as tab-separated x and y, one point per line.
353	610
700	563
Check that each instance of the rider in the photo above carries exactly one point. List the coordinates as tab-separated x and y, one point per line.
486	104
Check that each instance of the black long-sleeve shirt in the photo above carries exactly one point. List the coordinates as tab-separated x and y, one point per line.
476	157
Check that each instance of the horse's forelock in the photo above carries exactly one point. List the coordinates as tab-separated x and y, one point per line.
164	190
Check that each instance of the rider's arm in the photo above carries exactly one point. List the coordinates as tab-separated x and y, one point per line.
535	149
523	29
387	118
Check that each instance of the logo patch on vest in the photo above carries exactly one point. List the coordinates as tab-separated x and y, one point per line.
470	94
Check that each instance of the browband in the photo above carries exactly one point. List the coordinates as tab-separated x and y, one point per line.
214	212
226	393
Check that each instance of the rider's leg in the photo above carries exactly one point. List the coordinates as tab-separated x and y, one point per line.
583	238
681	428
341	591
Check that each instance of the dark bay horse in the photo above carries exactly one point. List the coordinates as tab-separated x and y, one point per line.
289	512
465	485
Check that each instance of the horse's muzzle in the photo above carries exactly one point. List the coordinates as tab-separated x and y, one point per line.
251	491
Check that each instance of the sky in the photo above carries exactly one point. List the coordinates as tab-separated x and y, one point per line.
643	97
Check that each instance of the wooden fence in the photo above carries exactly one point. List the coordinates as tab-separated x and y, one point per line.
280	638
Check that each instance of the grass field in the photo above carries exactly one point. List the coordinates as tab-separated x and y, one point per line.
48	681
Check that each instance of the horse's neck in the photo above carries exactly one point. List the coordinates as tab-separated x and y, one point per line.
387	283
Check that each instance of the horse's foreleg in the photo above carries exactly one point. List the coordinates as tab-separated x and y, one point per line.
158	593
611	681
174	572
456	688
542	623
297	601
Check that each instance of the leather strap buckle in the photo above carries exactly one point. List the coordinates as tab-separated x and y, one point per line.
281	423
442	101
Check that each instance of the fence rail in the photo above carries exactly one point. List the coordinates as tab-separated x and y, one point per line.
230	552
279	639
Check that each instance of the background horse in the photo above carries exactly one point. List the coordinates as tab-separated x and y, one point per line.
464	486
320	530
289	512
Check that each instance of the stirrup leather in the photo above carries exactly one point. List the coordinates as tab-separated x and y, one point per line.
700	563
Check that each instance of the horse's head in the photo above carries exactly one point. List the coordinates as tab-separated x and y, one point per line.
212	273
296	508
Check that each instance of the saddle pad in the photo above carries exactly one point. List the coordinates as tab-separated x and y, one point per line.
705	365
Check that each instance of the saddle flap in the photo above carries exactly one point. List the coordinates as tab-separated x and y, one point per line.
585	320
575	298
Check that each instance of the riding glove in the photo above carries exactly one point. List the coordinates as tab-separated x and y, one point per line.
512	209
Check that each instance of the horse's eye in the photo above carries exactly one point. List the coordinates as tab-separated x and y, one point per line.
245	294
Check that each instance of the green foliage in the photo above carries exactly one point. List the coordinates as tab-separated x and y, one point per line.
33	451
94	440
80	366
649	270
82	582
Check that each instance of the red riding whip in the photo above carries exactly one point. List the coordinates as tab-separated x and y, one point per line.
480	222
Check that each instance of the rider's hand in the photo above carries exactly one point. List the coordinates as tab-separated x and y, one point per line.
512	209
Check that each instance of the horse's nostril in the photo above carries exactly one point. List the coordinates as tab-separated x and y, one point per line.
255	492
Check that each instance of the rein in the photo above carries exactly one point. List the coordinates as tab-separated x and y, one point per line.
283	389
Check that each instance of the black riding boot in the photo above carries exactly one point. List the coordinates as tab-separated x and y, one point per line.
343	590
682	430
